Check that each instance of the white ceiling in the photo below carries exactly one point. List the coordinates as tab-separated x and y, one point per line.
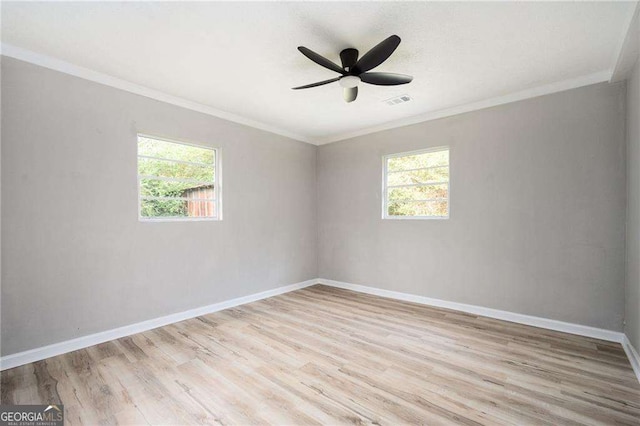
241	58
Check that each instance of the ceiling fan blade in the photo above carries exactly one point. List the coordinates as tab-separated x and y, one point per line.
385	78
378	54
320	60
320	83
350	93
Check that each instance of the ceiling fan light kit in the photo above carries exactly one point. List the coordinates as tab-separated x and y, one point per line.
349	81
355	70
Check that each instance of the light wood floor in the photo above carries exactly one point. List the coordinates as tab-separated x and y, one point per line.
324	355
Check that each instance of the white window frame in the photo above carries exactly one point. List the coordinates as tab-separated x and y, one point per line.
217	181
385	172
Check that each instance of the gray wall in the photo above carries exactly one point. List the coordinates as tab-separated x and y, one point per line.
77	261
632	296
537	210
536	227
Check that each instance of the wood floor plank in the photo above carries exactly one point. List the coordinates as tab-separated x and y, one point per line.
330	356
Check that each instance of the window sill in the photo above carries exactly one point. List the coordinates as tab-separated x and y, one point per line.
199	219
415	218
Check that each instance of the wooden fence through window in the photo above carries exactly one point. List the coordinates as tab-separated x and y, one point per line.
198	208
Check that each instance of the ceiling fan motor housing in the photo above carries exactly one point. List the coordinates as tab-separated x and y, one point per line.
349	57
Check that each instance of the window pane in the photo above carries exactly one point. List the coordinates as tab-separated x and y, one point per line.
177	208
425	192
161	188
150	167
201	192
419	208
440	174
174	151
176	180
163	208
201	208
428	159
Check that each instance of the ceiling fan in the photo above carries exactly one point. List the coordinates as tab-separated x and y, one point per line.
355	70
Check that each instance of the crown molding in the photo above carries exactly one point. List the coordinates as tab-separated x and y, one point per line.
118	83
534	92
628	48
107	80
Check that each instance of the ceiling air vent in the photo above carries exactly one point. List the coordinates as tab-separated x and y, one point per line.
398	100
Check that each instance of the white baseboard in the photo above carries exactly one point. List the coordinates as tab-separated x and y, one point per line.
633	356
566	327
21	358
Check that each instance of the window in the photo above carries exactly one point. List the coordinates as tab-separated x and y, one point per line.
177	181
416	185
